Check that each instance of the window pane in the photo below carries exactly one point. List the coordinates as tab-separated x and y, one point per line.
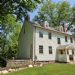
71	39
49	35
65	38
58	40
40	34
50	49
40	49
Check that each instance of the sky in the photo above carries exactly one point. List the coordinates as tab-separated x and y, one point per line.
35	12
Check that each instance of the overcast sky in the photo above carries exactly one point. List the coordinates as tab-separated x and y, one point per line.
32	14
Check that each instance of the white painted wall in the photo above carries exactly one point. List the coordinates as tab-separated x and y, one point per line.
48	42
31	36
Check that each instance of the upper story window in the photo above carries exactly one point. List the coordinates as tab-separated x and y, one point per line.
49	35
40	49
50	49
71	39
58	40
66	39
41	34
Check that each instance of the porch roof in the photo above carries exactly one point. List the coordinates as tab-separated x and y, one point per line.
66	47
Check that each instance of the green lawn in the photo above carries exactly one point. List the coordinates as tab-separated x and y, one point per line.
50	69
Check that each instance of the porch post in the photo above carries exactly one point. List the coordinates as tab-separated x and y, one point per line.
66	54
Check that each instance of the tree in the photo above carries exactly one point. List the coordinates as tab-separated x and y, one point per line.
46	12
56	14
8	26
9	36
18	7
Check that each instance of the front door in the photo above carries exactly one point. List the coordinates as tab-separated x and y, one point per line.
71	57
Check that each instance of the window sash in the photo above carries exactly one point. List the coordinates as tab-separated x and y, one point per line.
66	39
40	49
58	40
49	35
40	34
71	39
50	49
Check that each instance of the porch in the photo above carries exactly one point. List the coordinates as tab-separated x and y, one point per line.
65	53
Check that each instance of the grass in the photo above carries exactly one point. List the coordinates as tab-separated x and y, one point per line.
50	69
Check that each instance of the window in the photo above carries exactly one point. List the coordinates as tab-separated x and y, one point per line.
58	39
71	57
67	51
41	34
65	38
49	35
40	49
50	49
71	39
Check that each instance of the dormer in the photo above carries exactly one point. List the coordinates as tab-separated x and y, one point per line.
46	24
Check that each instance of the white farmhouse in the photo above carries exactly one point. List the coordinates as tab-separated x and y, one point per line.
43	43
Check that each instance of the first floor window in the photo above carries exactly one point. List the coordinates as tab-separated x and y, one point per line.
40	49
50	49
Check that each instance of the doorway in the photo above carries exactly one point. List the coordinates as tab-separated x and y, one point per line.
71	57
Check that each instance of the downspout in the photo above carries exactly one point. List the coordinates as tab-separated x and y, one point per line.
34	29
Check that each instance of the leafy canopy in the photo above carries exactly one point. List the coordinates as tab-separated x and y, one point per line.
56	14
17	7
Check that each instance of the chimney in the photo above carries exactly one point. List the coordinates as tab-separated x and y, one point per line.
46	24
27	18
64	27
61	28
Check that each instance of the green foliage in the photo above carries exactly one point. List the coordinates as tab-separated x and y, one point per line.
46	12
17	7
10	11
56	13
10	30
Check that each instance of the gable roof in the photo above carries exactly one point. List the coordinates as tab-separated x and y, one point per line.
49	29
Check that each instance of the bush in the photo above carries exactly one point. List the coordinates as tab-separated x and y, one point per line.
3	62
